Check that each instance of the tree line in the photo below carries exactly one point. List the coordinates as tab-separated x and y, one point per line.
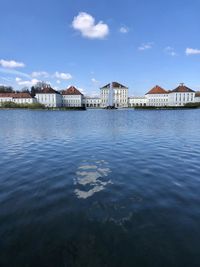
33	90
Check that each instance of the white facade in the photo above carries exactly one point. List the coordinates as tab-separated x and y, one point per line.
181	98
18	98
157	97
5	98
197	97
49	97
24	100
158	100
49	100
120	95
93	102
137	101
72	100
72	97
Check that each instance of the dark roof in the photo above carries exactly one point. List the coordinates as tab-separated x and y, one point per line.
197	94
47	90
71	91
16	95
114	85
157	90
182	89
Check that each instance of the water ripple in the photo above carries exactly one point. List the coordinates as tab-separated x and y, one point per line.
90	177
119	187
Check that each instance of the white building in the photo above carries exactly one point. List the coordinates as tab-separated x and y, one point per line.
119	95
72	97
135	101
18	98
197	97
49	97
181	96
158	97
93	102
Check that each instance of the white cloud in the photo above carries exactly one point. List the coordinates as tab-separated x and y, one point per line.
124	29
170	51
11	64
94	80
14	73
62	75
192	51
36	74
32	82
57	75
18	79
31	79
7	79
85	23
145	46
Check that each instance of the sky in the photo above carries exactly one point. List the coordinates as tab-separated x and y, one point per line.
89	43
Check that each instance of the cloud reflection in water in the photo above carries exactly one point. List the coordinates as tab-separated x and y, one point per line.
91	178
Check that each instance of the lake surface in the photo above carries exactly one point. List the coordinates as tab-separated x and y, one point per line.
100	188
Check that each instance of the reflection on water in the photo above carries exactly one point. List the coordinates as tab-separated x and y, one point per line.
100	188
91	178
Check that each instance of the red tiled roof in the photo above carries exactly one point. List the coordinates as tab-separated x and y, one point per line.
114	85
16	95
47	90
71	91
182	89
157	90
6	94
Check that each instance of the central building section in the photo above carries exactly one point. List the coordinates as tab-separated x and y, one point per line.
114	94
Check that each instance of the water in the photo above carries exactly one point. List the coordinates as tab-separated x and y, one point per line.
100	188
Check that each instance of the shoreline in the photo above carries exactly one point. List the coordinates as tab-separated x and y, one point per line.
46	109
85	109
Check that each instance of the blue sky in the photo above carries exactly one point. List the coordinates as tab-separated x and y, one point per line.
89	43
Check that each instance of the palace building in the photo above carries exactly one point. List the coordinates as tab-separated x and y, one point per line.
114	94
18	98
111	95
158	97
181	95
92	102
48	97
72	97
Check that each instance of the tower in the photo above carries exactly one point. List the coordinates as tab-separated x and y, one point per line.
110	95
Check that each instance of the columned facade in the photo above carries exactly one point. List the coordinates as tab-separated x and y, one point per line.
181	96
118	93
136	101
93	102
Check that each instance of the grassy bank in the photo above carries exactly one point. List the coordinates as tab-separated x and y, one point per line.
187	106
13	105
